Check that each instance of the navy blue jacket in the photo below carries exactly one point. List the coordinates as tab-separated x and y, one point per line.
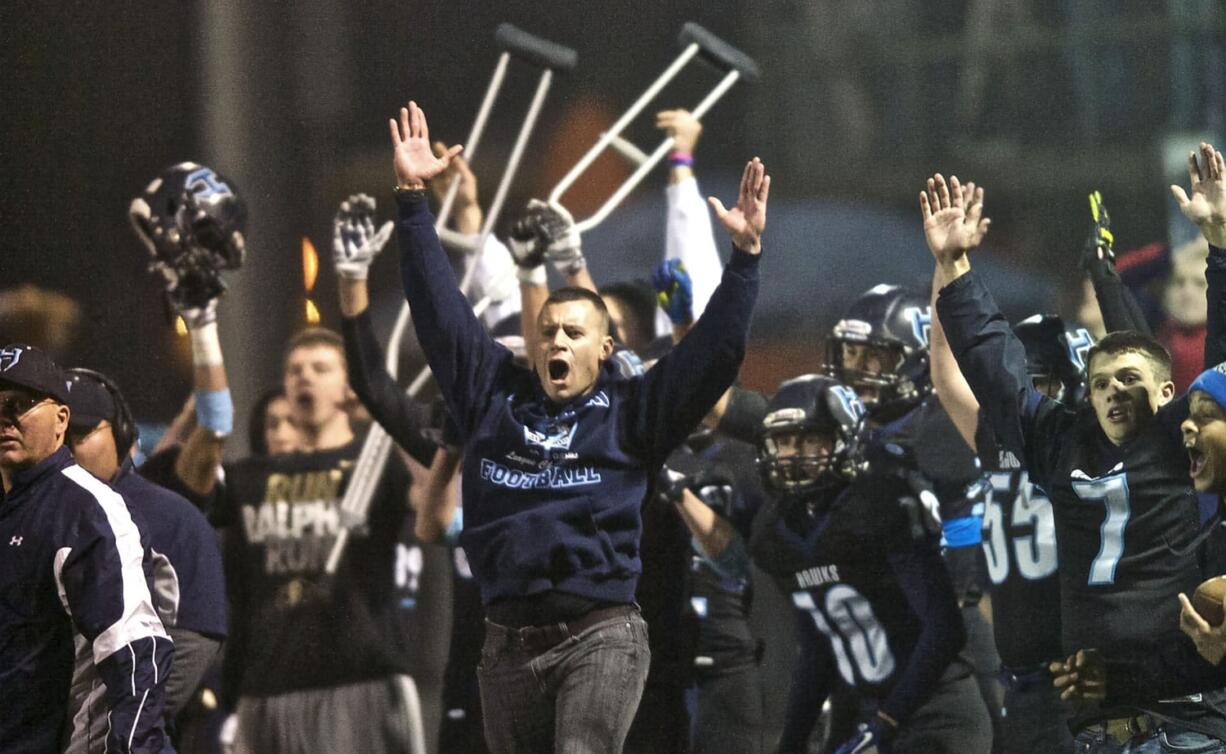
552	494
71	562
179	531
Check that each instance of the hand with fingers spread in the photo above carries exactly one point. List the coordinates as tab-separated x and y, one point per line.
953	219
355	242
682	126
1082	677
414	161
1210	640
747	218
1207	204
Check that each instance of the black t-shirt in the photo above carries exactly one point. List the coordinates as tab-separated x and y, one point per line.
1019	546
295	627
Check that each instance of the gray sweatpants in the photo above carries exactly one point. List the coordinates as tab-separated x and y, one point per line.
379	717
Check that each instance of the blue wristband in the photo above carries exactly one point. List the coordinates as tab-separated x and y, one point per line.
215	411
962	532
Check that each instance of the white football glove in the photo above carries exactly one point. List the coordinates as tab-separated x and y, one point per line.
355	242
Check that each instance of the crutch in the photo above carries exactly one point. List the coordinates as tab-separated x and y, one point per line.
695	41
549	57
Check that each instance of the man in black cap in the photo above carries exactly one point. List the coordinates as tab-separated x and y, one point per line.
188	583
71	564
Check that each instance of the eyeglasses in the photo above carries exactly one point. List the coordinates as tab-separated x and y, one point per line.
14	408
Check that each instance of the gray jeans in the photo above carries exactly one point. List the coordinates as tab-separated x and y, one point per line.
577	697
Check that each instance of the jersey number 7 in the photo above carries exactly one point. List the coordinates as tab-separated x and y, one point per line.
1112	491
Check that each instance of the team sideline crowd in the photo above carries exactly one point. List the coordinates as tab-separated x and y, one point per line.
991	537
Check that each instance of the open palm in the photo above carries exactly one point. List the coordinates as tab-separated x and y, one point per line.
953	217
1207	204
413	158
747	218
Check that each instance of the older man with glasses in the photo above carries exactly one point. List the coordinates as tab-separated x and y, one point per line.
71	565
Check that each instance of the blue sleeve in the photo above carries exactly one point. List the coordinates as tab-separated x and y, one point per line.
810	686
1116	301
926	583
993	361
1215	323
466	362
675	394
402	417
135	678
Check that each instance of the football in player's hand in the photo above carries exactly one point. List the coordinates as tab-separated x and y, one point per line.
1208	600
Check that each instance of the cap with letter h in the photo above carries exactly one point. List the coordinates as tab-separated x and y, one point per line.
32	369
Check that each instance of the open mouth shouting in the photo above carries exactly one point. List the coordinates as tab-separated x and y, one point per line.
1196	456
559	370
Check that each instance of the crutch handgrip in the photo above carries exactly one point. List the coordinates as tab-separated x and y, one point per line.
718	52
540	52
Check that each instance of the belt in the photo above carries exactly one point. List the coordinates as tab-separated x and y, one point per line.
1123	729
537	639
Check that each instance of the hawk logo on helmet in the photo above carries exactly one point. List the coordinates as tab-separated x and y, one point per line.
1079	342
921	322
204	184
9	357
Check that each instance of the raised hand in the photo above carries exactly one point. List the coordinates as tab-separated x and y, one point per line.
953	218
355	242
466	195
747	218
682	126
412	157
1207	205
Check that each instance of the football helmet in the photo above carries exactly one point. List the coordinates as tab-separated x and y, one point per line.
818	405
192	221
1056	353
894	322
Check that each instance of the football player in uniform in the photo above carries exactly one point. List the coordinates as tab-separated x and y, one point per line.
1127	519
849	539
880	348
1019	539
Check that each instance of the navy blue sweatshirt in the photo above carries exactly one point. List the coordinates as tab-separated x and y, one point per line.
71	563
552	493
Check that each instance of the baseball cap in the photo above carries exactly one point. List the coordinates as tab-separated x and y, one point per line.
89	401
31	368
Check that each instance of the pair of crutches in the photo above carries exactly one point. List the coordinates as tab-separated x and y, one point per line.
696	42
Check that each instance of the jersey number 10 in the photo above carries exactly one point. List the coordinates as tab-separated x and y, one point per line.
854	632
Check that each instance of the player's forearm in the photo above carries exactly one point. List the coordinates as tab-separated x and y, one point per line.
436	499
710	530
354	295
951	387
690	237
930	594
989	356
199	460
1215	322
581	278
1119	309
